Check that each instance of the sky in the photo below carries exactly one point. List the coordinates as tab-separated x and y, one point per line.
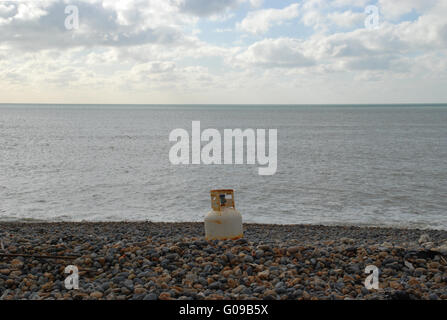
223	51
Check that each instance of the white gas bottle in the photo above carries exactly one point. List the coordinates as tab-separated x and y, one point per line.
224	222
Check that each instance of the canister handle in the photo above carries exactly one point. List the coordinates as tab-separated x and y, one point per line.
222	198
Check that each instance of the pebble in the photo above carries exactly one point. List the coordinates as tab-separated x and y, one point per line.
164	296
96	294
150	261
424	238
150	296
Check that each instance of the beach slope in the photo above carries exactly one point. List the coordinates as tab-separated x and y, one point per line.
145	260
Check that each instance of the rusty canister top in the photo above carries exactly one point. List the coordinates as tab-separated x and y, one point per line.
222	198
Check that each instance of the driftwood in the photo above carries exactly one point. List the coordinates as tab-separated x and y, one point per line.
424	254
11	255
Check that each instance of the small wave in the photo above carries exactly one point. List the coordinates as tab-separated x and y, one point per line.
24	220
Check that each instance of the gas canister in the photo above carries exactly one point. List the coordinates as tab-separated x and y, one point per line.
223	222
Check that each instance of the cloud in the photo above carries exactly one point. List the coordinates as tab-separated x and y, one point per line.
260	21
155	67
397	8
275	53
323	15
256	3
346	19
206	8
26	11
137	49
41	25
350	3
312	13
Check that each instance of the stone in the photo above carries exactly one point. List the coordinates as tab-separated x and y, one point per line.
264	274
269	292
150	296
428	245
214	286
413	282
16	264
96	295
129	284
420	271
306	295
395	285
424	238
441	249
164	296
239	288
248	259
47	286
139	290
409	265
293	250
346	240
259	253
434	265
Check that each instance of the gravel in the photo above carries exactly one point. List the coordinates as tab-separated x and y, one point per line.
150	261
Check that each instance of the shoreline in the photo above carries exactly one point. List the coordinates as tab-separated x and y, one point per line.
327	225
157	260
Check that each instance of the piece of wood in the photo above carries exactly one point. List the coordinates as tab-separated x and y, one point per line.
11	255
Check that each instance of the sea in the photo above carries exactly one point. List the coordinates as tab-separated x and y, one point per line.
359	165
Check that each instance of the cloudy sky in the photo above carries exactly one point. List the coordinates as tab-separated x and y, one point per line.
223	51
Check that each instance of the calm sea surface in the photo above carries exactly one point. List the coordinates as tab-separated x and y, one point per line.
355	165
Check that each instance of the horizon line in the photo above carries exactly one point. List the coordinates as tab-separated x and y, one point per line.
226	104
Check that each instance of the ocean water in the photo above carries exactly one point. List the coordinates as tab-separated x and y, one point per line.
348	165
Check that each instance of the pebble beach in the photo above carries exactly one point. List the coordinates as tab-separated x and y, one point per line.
164	261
